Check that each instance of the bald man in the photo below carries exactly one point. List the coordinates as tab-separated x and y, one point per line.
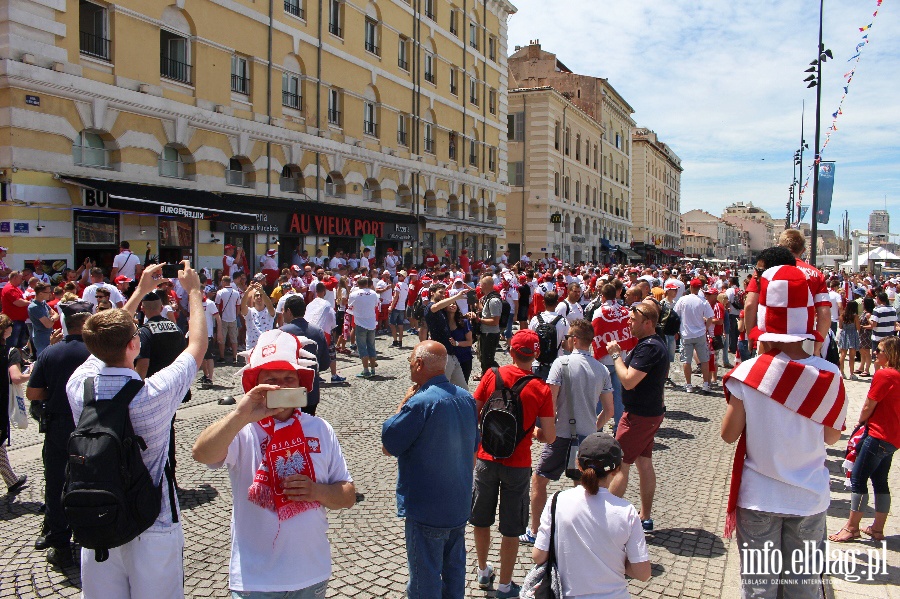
433	431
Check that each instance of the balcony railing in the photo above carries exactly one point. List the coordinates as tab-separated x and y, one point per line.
370	128
453	89
430	77
370	47
334	29
451	152
240	85
293	8
473	159
171	168
291	184
236	178
334	117
291	100
429	145
402	138
86	156
94	45
174	69
403	64
430	14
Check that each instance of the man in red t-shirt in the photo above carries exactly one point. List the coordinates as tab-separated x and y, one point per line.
431	260
512	473
16	307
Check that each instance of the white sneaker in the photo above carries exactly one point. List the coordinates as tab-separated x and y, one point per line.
706	387
688	389
485	578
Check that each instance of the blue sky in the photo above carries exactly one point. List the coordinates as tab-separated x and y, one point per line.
722	83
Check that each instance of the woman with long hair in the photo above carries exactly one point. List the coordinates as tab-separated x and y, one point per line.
880	416
460	338
849	337
865	337
11	361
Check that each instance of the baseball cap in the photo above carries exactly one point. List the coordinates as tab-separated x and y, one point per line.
271	252
3	249
722	273
696	283
413	272
151	297
671	286
278	350
526	343
123	279
228	246
401	273
390	250
601	452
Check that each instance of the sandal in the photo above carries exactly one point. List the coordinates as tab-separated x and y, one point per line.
853	536
875	534
857	372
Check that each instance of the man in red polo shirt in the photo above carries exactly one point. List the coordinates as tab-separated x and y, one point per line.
512	473
16	307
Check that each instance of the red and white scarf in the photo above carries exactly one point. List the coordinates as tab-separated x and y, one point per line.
285	453
802	388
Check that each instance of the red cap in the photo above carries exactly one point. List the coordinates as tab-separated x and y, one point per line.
522	278
123	279
271	252
696	283
526	343
671	286
228	246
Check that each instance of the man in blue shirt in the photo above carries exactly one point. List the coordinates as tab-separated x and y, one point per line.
434	435
294	312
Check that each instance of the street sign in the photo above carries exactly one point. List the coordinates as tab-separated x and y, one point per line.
555	218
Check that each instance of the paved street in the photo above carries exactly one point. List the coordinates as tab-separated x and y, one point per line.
689	557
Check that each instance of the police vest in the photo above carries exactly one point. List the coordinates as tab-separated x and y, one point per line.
161	342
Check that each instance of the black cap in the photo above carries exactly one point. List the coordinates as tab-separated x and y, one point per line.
151	297
601	452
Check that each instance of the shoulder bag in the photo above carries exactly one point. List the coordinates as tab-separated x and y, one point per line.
543	581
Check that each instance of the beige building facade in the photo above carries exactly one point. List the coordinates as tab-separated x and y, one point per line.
698	245
181	126
750	212
656	227
581	130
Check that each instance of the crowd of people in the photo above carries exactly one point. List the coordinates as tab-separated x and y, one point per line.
590	350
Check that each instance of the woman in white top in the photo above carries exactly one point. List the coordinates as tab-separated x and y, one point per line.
598	535
260	317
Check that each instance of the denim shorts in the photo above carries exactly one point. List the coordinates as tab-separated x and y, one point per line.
316	591
365	342
397	317
696	343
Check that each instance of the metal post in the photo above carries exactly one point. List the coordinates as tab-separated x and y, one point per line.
815	202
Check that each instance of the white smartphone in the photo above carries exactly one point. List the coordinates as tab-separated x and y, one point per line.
286	398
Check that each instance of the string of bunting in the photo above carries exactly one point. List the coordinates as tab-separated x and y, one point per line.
848	78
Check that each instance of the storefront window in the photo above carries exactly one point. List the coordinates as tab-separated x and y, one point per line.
91	229
428	242
176	239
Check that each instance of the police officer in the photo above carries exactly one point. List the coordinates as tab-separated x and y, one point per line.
161	342
47	392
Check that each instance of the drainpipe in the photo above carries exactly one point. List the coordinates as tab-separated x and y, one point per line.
524	167
319	102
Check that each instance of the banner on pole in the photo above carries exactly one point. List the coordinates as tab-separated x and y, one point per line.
803	210
826	190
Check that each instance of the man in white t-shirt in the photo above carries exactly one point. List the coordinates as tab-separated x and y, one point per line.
384	288
397	316
570	306
836	304
228	300
214	332
320	312
391	261
364	302
125	263
695	312
337	261
90	292
286	468
365	262
541	366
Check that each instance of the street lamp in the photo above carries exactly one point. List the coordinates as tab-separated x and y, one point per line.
815	80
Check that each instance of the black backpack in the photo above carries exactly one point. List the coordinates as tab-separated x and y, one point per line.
109	497
502	419
505	311
591	307
737	301
669	321
546	332
418	308
832	354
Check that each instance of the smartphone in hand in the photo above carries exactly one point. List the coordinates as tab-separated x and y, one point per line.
286	398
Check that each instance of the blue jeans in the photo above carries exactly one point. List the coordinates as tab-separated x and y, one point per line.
670	347
20	335
316	591
617	398
872	462
437	561
743	349
509	324
365	342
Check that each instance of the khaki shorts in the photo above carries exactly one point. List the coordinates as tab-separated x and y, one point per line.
229	332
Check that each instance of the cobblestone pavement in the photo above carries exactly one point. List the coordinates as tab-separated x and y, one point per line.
692	464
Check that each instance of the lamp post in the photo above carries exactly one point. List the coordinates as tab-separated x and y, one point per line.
815	80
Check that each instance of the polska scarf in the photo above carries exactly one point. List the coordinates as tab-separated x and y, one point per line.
285	453
804	389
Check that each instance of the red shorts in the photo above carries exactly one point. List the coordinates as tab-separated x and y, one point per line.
635	435
384	312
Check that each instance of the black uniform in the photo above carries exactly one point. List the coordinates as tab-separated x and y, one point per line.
51	372
161	342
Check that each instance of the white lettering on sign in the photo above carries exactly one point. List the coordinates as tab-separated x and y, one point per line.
163	326
180	211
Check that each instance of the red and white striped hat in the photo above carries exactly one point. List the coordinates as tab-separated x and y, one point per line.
786	310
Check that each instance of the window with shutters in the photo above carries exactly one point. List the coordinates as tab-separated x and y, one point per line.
473	91
492	101
492	159
371	32
454	81
403	53
515	126
578	146
429	68
556	184
516	172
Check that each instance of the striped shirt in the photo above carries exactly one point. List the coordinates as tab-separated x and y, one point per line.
884	318
151	410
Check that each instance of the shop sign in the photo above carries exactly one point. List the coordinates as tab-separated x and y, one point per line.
398	232
337	226
32	100
265	223
93	198
4	227
20	228
578	239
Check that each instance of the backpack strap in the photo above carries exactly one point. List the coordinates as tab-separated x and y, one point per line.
555	320
551	558
541	320
498	380
520	384
173	500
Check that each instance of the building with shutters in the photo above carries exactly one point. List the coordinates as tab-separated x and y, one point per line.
181	126
656	226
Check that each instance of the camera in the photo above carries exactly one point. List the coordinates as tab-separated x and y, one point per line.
40	227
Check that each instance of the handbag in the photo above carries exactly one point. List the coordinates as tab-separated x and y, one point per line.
18	413
572	471
718	343
543	581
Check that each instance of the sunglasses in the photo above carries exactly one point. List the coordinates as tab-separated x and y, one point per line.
639	311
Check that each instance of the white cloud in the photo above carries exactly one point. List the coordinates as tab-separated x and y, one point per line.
722	84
